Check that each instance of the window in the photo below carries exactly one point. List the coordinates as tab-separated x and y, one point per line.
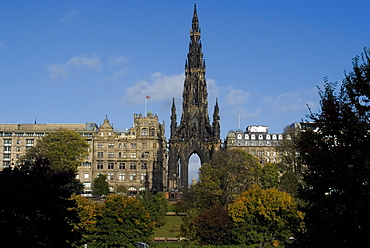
7	148
88	164
8	141
6	164
154	145
100	145
246	136
6	156
119	145
260	153
145	132
152	132
144	145
124	145
132	154
29	142
142	177
122	166
100	154
110	166
18	149
239	136
86	175
110	176
143	166
124	154
132	166
260	137
120	154
110	154
100	165
253	137
18	142
133	145
110	145
145	155
132	176
121	176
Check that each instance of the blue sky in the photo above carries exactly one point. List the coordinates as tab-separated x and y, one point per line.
78	61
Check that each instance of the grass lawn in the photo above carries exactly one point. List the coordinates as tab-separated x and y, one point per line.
171	229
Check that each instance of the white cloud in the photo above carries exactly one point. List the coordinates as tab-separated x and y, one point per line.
289	101
58	71
236	97
160	87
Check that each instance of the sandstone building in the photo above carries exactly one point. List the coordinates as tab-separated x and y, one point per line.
256	141
133	158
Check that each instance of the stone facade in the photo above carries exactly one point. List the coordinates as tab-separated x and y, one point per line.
256	141
135	158
195	134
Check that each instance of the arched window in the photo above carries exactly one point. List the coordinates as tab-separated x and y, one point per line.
145	132
268	137
246	136
239	136
280	136
274	136
253	137
260	137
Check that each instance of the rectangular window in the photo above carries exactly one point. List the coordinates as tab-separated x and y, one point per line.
143	166
133	145
154	145
132	154
144	145
144	132
110	176
18	142
122	166
6	164
6	156
142	177
110	166
100	154
132	176
7	148
110	154
86	175
7	141
119	145
110	145
18	149
132	166
100	165
30	142
120	154
100	145
121	176
145	155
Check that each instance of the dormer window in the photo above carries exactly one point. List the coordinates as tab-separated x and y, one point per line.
239	136
246	136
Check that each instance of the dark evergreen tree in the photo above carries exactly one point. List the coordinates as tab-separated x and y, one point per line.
336	152
36	209
100	186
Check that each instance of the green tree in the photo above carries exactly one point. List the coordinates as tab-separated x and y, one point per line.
156	205
123	222
228	174
65	149
290	183
214	226
36	209
269	176
100	185
263	218
336	152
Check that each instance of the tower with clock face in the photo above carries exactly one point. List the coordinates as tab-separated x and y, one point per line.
194	134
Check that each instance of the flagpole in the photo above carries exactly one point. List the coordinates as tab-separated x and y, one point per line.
145	107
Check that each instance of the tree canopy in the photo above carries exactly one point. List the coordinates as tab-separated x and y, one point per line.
36	209
336	152
65	149
228	174
100	186
264	217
